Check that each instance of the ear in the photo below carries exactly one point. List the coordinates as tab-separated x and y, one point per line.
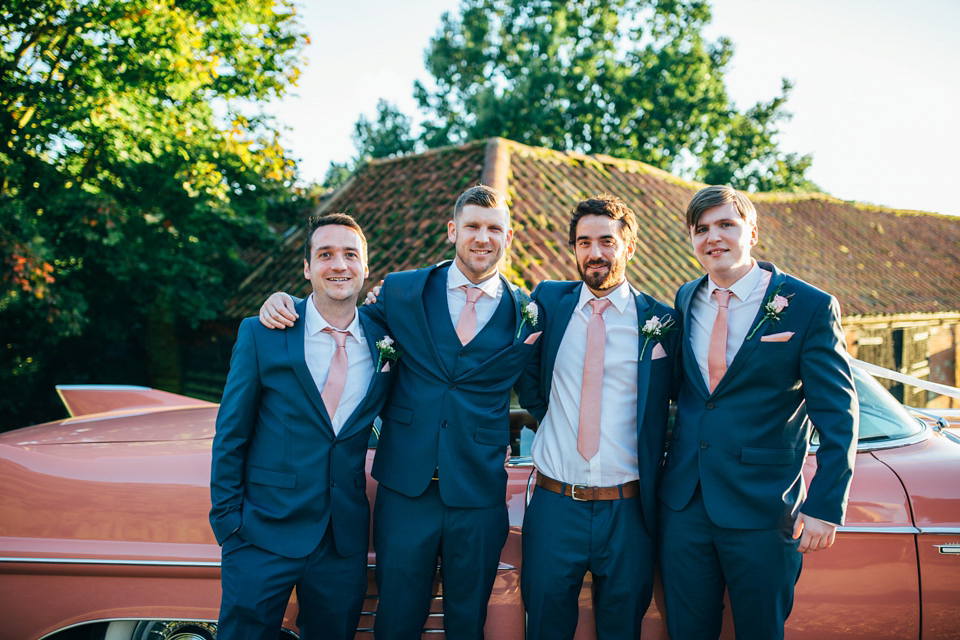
306	269
452	231
631	249
754	235
509	238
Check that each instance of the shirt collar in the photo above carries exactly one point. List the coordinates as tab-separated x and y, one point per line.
456	279
619	297
743	287
314	322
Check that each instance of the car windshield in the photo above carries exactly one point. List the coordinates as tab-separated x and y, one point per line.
882	418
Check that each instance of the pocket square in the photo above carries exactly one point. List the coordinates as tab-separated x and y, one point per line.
658	352
532	337
777	337
386	367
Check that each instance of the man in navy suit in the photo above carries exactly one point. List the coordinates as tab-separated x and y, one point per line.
595	510
288	484
440	458
764	366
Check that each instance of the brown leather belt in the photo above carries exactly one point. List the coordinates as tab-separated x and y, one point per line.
582	492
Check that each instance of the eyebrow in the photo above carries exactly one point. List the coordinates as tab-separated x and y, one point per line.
328	247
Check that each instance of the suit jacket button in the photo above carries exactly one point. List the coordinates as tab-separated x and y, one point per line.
704	445
709	405
443	424
453	386
461	354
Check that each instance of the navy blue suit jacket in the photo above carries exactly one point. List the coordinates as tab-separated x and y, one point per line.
279	474
746	442
557	302
450	415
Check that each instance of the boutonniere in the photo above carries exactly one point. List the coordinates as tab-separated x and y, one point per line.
529	312
654	329
773	308
386	351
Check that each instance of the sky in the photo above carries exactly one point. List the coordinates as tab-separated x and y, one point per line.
876	94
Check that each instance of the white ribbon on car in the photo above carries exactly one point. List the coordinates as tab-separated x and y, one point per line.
880	372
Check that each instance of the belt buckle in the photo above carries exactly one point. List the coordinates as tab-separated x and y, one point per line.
573	492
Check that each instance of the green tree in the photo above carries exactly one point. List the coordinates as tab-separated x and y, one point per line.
134	162
628	78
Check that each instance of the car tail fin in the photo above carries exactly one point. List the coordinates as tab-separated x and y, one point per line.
85	399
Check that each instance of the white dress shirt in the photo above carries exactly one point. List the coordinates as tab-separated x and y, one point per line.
555	443
742	309
486	304
318	348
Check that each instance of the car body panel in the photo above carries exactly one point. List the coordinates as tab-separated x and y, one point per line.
104	516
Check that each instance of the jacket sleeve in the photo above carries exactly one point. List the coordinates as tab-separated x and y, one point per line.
236	420
833	409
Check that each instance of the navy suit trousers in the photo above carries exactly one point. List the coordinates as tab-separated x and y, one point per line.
257	585
562	540
410	535
698	560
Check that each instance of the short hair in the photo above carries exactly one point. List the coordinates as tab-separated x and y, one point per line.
341	219
605	205
482	196
718	195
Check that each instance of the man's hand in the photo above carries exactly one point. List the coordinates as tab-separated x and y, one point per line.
814	534
277	312
373	294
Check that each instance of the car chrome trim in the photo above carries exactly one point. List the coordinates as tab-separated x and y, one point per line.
876	445
948	549
520	461
136	563
109	620
941	531
886	530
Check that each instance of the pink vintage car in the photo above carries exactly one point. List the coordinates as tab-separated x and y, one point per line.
104	533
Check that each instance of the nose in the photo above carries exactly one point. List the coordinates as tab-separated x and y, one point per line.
339	262
482	234
595	251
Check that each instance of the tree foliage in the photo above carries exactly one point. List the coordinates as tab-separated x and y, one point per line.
628	78
133	164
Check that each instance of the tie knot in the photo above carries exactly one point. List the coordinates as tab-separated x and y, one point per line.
599	305
338	334
473	293
723	296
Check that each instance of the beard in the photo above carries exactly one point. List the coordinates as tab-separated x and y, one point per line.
602	280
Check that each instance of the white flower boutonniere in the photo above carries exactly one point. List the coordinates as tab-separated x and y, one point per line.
529	312
773	308
386	351
654	329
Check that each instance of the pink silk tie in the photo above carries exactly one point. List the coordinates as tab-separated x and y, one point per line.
467	323
337	377
717	353
591	391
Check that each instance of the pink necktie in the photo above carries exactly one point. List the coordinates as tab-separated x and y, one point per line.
591	391
717	354
467	323
337	377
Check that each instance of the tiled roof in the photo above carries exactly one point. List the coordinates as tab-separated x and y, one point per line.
877	261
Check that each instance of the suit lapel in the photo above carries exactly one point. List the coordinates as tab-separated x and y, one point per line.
371	333
748	346
420	294
558	326
690	364
298	360
643	365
